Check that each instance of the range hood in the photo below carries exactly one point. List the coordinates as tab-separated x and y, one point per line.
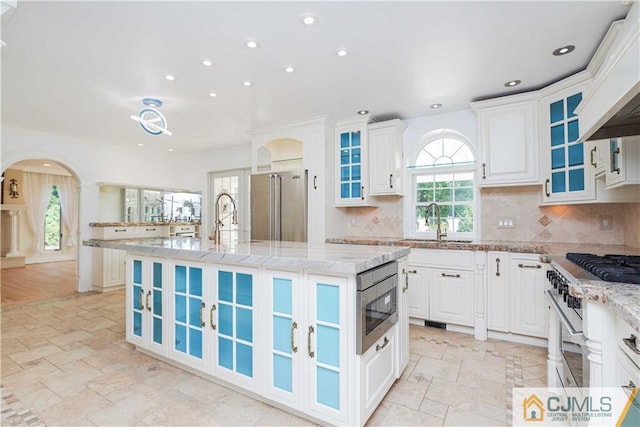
611	107
624	118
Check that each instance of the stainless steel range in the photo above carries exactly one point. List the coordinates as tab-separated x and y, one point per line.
568	363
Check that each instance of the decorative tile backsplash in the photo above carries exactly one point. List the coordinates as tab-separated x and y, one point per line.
561	223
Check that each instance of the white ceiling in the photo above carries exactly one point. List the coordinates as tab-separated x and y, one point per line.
82	68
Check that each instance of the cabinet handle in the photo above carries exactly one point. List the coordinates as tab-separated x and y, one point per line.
201	309
384	344
484	171
529	266
315	187
546	187
147	301
498	267
311	353
362	194
450	275
140	295
294	348
123	230
631	343
213	309
406	278
593	163
613	160
390	180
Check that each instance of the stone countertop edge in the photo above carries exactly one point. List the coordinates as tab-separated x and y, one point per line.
622	298
134	224
321	258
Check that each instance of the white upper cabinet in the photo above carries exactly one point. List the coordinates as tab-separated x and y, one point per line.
385	154
623	164
352	158
568	177
508	132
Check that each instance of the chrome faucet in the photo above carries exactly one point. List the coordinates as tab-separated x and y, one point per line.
439	233
218	222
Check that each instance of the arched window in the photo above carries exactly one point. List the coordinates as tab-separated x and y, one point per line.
443	177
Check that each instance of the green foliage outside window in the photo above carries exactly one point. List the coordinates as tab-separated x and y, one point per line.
52	222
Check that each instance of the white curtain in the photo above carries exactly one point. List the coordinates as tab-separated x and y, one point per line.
37	191
68	193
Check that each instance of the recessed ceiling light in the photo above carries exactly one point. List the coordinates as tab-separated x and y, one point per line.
46	165
512	83
2	43
252	44
212	94
564	50
363	112
140	144
343	52
170	149
247	83
435	106
309	19
170	77
289	69
207	63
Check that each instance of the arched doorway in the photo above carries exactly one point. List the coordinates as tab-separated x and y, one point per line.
40	244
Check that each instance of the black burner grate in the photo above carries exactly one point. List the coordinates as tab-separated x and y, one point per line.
611	268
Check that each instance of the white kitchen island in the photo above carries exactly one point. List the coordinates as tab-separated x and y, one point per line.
275	320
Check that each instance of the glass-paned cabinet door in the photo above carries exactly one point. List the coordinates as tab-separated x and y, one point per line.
569	177
350	165
188	311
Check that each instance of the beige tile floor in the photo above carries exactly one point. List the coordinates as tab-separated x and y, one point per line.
65	362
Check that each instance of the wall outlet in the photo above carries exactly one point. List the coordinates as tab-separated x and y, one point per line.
506	223
605	222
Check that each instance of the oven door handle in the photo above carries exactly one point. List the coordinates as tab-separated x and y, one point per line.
563	317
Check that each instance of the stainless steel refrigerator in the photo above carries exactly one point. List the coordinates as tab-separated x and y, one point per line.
279	206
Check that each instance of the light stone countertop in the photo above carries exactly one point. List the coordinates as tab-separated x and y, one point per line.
132	224
308	257
622	298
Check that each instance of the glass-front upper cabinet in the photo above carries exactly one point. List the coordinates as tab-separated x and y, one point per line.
352	163
568	177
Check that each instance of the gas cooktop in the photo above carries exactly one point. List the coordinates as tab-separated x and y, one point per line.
610	268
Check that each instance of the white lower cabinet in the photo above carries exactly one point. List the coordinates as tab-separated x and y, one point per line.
108	269
498	291
402	352
441	286
451	296
146	302
378	371
528	304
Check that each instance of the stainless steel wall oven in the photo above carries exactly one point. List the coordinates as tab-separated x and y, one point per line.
376	304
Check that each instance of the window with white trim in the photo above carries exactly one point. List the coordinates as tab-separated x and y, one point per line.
444	175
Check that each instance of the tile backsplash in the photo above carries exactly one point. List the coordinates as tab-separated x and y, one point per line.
605	223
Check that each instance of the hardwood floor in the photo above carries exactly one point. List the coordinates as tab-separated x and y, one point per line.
37	282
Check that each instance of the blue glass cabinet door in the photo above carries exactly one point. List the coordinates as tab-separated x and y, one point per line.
188	313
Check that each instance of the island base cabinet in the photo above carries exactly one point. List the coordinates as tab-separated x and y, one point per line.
146	304
308	345
378	371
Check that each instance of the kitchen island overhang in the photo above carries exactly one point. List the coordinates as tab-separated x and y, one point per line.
276	320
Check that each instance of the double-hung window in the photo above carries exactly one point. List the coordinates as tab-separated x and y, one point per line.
443	177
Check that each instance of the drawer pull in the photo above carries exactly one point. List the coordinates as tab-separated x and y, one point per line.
384	344
450	275
529	266
631	343
122	230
